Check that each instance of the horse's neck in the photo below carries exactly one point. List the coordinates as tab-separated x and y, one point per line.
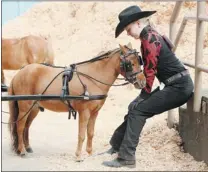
105	70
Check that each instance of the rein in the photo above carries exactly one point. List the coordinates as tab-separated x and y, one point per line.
100	57
71	69
97	58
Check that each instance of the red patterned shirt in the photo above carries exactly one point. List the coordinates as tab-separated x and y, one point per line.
150	49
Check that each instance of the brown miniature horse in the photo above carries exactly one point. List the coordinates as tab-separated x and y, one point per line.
34	78
19	52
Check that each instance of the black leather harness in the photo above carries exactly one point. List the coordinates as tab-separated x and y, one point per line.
67	76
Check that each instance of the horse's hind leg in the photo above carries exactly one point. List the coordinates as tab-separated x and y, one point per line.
90	132
83	121
30	118
20	128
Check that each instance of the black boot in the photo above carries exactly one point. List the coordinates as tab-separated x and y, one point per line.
118	162
111	151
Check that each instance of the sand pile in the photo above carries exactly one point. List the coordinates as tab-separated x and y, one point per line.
79	31
89	26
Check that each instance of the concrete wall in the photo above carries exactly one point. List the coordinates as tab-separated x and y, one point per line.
12	9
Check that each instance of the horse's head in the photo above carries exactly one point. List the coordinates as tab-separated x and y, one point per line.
130	66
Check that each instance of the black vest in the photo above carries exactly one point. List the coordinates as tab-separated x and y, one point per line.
168	64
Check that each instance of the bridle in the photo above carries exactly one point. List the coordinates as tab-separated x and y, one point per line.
126	65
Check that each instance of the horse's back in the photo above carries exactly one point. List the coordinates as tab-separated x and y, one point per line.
37	47
8	42
37	77
26	50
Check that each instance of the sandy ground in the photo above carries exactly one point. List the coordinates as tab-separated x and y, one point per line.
90	27
54	139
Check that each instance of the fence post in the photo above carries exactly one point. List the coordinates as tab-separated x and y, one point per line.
174	16
172	34
198	55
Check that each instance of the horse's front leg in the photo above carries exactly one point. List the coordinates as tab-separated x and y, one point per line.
83	121
90	132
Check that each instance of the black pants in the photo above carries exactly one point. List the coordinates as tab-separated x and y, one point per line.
126	137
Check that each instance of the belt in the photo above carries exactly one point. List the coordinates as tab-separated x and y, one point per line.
173	78
176	76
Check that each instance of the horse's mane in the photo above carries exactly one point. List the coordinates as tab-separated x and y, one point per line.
103	54
112	52
115	51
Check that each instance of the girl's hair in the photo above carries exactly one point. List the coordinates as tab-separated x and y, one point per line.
146	21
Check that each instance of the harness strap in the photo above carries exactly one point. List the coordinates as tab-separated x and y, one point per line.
67	76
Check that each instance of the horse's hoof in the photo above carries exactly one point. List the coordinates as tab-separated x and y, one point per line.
89	153
29	150
79	159
21	153
41	109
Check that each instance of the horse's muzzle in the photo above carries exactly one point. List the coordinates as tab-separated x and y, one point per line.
139	81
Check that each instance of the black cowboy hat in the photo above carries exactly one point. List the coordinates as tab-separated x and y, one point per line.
130	15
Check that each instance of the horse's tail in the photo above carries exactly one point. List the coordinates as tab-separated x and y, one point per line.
2	77
13	111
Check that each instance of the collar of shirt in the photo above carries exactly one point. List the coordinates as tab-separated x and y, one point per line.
145	31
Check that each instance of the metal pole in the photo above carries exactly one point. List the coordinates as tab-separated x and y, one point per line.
203	68
172	33
174	16
189	64
198	55
50	97
181	29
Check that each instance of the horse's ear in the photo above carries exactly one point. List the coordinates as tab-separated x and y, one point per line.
129	45
122	49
